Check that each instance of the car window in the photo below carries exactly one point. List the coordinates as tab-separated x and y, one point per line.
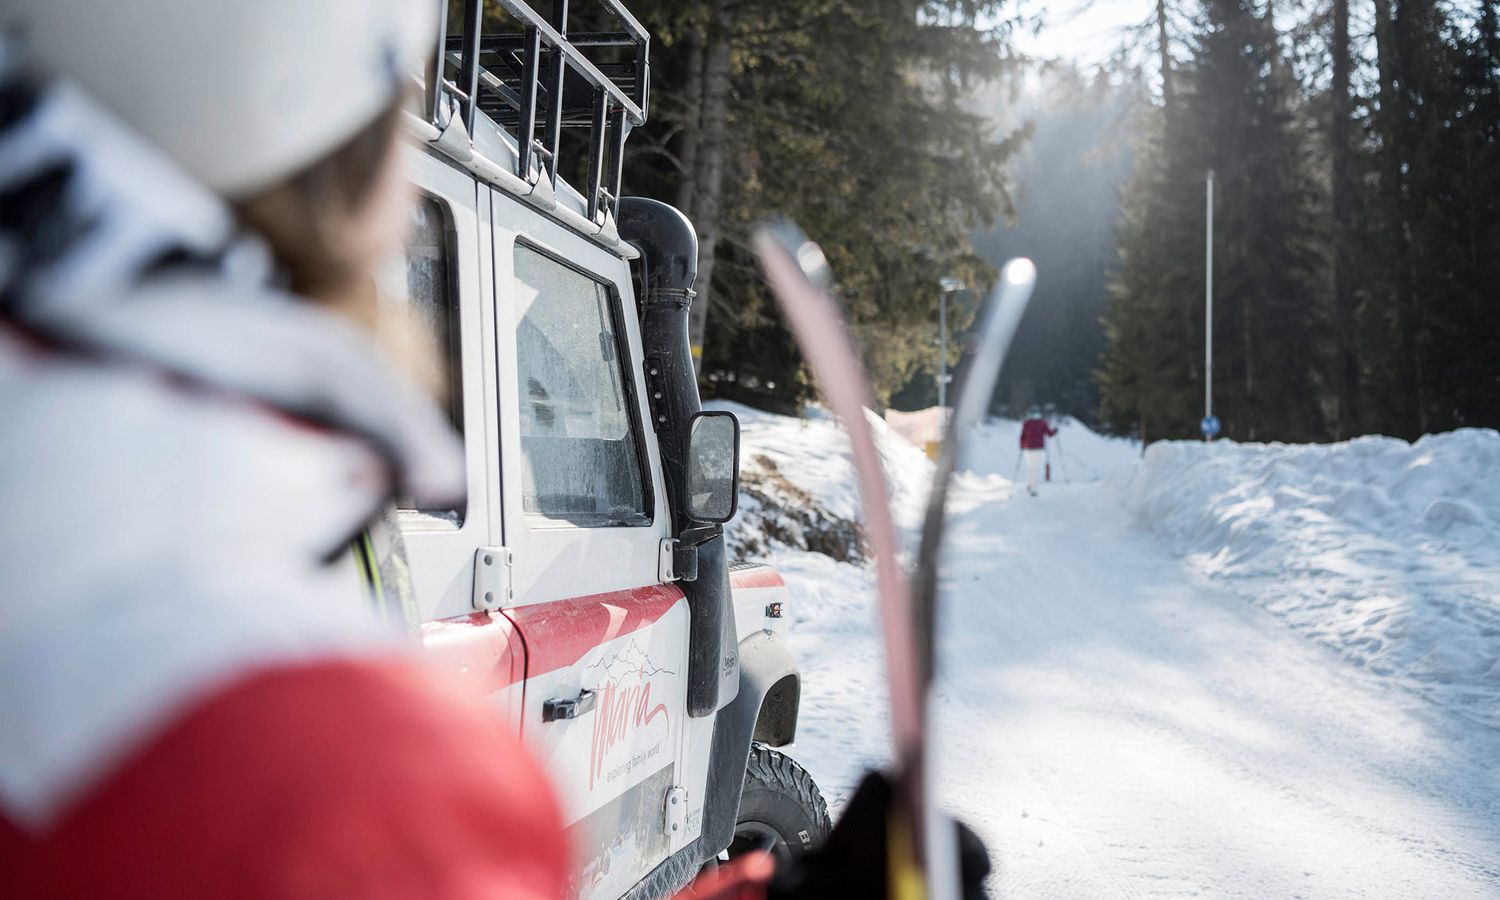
419	315
579	436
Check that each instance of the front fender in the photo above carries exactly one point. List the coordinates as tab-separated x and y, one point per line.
765	709
779	683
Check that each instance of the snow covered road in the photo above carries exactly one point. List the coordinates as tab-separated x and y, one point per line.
1116	726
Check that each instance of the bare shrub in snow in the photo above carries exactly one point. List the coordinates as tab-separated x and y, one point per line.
778	514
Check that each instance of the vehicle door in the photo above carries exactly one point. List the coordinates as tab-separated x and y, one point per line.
585	514
436	305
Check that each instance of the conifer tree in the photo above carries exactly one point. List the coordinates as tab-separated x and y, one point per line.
1235	116
1150	383
1430	331
849	118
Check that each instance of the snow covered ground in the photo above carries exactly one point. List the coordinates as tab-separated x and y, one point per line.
1117	720
1384	551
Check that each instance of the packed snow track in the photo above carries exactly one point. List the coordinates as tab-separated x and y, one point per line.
1119	730
1116	723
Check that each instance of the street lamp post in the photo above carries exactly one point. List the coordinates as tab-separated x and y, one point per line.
949	286
1210	424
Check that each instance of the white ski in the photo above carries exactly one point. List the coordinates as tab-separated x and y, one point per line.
998	320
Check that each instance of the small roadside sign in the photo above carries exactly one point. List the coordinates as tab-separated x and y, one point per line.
1210	426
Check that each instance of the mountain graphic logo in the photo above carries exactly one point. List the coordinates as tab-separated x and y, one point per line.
631	660
625	710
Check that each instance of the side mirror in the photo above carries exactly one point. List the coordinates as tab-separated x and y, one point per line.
713	466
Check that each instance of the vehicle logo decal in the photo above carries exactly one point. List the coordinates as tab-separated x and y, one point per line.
623	708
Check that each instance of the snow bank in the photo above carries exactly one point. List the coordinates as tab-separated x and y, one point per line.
799	511
797	495
798	489
1386	552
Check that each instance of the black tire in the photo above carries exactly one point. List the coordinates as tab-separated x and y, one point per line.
781	809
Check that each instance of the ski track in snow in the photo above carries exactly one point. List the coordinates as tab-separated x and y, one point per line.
1116	723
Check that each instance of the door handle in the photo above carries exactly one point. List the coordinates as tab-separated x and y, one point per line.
569	707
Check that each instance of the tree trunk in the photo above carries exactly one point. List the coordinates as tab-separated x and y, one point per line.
1163	48
708	190
1346	363
1393	125
1489	24
692	122
1275	47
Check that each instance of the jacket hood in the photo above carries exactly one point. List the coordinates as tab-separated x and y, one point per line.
107	248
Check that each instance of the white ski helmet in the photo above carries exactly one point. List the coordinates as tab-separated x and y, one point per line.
242	94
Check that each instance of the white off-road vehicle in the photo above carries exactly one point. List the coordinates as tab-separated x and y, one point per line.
583	586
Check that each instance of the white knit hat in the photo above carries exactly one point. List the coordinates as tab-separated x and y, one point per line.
242	93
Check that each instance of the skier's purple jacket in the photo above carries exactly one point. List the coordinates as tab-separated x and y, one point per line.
1034	434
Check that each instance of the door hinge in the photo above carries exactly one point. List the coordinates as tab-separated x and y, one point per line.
665	571
676	812
492	582
677	561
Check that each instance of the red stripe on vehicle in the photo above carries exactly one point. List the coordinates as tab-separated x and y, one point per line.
758	577
483	650
558	634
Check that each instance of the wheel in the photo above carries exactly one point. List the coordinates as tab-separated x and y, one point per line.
781	810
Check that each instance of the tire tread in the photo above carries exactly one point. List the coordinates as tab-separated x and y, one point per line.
780	772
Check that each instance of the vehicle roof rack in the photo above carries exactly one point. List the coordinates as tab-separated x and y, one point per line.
543	75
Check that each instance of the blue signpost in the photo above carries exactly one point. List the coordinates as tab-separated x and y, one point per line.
1210	426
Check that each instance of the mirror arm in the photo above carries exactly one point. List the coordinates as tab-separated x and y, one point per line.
698	534
685	549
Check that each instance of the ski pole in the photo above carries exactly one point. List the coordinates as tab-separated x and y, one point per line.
1062	458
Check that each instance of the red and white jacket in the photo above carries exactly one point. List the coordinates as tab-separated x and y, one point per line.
194	701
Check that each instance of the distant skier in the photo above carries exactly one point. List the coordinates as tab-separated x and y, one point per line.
1034	433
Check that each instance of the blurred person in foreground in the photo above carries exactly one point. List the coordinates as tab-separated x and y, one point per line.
194	698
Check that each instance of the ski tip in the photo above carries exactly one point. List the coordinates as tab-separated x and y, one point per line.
809	257
1019	272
